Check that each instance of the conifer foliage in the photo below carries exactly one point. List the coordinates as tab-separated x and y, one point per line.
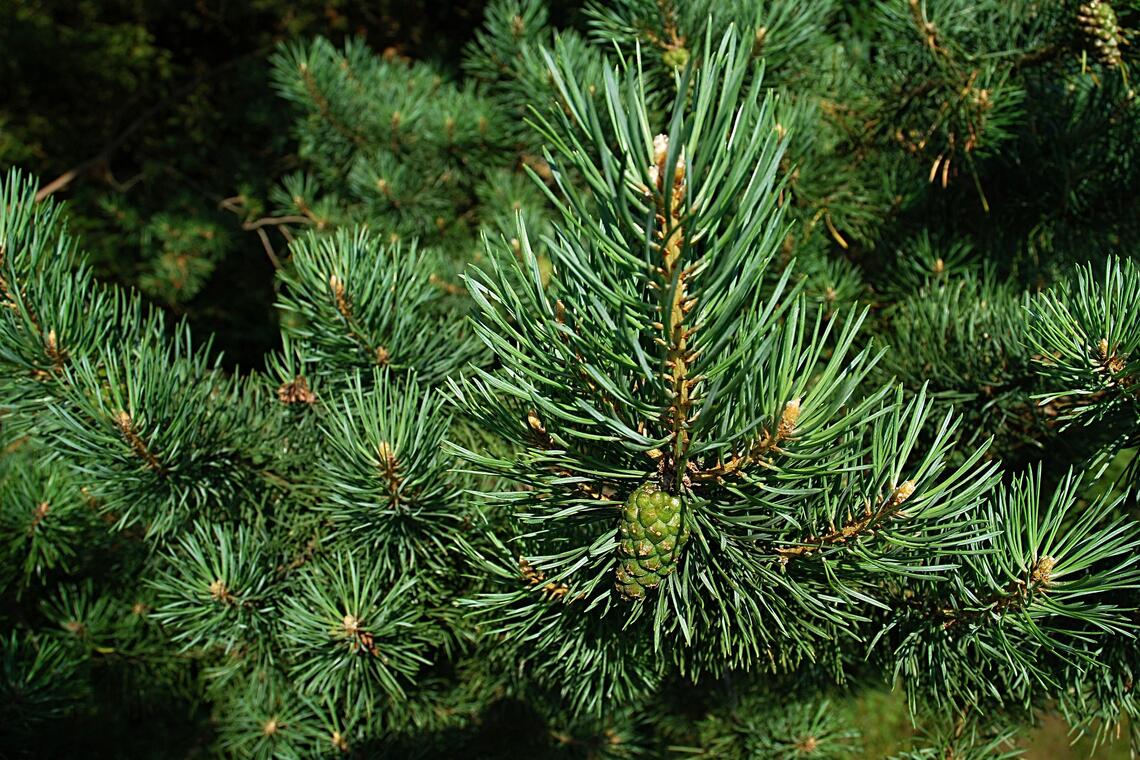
659	386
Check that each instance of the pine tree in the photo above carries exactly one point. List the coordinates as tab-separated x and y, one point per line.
658	385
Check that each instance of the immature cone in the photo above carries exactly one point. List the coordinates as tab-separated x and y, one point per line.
676	58
1098	21
652	535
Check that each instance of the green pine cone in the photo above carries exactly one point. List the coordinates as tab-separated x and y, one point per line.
1099	23
676	58
652	535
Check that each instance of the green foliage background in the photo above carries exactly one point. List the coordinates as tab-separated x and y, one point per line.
167	111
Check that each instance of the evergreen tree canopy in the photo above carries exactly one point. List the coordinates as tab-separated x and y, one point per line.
655	384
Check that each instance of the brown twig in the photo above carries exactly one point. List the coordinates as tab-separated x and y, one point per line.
676	335
324	108
447	287
545	441
343	302
535	577
853	528
1011	598
275	220
926	27
390	472
126	427
764	443
104	154
38	515
272	254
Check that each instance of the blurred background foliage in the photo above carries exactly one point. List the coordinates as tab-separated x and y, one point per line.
157	121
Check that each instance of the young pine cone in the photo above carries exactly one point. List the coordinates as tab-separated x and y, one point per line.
653	533
1098	22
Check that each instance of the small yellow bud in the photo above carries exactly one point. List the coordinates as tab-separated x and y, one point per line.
902	493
